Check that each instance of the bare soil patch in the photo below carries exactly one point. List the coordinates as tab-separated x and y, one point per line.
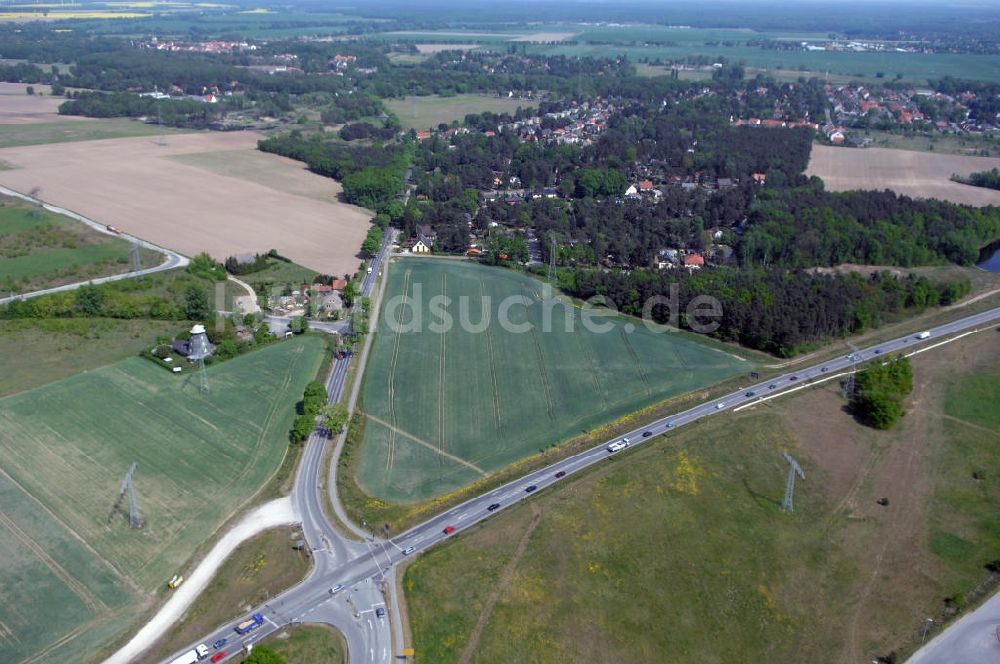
18	107
917	174
209	192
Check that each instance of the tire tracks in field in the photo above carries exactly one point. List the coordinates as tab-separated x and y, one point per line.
635	360
493	363
120	574
424	443
550	405
442	369
66	638
254	452
390	458
92	601
505	578
594	374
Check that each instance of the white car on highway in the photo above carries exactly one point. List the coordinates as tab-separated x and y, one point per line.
619	445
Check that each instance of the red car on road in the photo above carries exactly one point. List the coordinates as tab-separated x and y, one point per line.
217	657
449	530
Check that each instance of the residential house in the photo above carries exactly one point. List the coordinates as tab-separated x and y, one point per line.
422	245
694	261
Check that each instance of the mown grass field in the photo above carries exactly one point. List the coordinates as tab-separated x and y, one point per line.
66	446
65	131
428	112
679	551
444	409
40	249
40	351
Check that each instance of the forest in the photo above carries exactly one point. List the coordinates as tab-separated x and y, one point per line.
989	179
187	113
783	312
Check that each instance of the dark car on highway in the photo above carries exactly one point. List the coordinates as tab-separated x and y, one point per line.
794	378
530	488
561	473
493	507
380	612
647	434
221	642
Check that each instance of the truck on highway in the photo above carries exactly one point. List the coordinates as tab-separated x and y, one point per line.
190	657
924	335
250	624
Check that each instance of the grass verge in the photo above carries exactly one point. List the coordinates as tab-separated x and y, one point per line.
259	568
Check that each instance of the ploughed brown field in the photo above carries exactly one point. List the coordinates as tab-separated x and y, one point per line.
211	192
917	174
18	107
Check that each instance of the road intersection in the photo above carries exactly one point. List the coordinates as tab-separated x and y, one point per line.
363	567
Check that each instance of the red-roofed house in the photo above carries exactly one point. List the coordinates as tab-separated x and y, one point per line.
423	135
694	261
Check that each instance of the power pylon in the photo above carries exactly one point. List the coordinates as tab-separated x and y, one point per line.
793	470
134	518
133	253
203	374
855	358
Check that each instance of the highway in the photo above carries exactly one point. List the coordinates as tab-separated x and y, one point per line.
359	567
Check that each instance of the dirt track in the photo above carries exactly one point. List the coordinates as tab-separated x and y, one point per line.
917	174
168	195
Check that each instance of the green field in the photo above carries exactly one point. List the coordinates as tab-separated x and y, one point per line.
428	112
681	547
65	446
445	409
279	274
917	67
64	131
310	645
37	351
40	249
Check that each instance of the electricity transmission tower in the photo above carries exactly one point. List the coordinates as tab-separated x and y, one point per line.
133	253
793	470
855	358
203	375
134	518
552	259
